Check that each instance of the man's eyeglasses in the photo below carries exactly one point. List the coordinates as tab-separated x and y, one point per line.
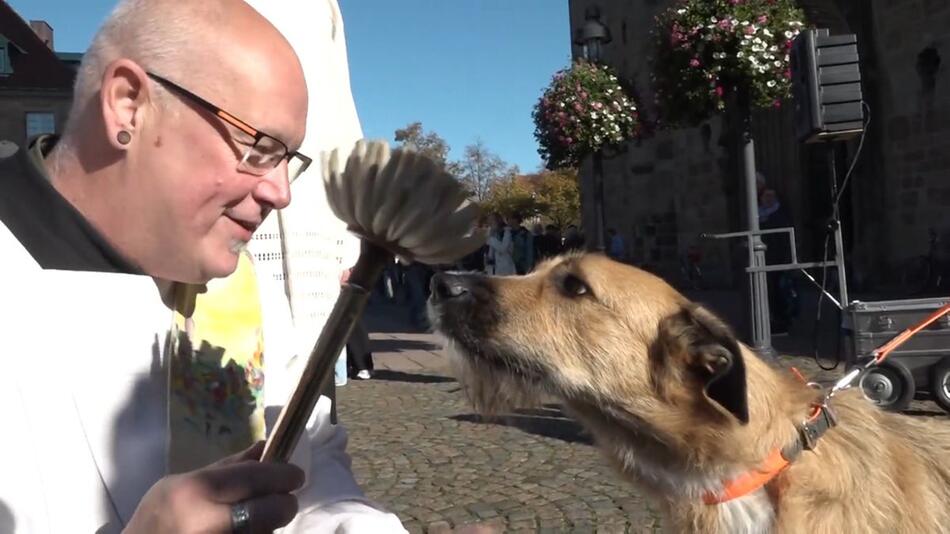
263	154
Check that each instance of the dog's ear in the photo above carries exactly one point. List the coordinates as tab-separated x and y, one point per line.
710	352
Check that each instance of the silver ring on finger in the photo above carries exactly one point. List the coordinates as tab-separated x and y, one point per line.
240	518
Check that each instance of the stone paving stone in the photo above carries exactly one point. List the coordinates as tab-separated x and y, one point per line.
439	527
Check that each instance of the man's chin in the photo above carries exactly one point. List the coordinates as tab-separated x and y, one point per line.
222	266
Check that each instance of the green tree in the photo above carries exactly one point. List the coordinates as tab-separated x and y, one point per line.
558	196
512	196
431	144
479	169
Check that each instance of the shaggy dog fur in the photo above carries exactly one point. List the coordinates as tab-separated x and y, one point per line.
678	405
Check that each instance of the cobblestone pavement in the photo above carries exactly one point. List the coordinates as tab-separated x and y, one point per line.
418	448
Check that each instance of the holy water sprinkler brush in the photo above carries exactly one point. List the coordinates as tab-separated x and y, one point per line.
399	203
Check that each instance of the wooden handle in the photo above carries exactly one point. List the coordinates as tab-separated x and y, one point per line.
347	310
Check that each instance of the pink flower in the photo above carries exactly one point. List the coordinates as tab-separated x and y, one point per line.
749	30
777	103
788	44
568	140
762	19
694	63
577	106
597	105
725	24
676	38
583	95
788	74
719	91
735	2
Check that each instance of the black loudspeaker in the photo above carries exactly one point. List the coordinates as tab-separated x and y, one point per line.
826	87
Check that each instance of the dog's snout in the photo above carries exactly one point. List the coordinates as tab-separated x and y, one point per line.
446	286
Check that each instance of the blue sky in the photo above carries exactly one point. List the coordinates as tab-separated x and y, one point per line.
466	69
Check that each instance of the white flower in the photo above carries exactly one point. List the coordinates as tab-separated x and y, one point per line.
767	32
788	34
770	83
713	20
593	115
740	54
680	11
561	104
777	63
745	23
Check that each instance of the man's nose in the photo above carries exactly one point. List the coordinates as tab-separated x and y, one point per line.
274	189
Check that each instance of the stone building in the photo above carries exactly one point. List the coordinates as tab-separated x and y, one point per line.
35	84
662	192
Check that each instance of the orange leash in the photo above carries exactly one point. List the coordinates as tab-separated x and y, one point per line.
899	340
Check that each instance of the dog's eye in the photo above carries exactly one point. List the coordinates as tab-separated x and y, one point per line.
574	286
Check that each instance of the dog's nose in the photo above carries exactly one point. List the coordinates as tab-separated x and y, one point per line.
447	286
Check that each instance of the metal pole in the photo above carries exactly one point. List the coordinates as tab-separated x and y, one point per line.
761	328
839	239
599	244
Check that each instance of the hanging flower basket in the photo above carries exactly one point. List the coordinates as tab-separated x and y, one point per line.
707	49
584	109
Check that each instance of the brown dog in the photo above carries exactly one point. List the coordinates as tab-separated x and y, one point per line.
721	439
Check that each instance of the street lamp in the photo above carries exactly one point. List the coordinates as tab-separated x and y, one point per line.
591	37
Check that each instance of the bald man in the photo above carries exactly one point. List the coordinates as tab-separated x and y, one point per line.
183	136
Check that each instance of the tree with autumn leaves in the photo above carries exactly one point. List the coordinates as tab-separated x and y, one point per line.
551	195
500	188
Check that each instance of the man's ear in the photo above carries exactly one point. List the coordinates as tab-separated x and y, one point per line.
122	97
707	349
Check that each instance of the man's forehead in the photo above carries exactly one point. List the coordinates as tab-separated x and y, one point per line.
253	73
260	99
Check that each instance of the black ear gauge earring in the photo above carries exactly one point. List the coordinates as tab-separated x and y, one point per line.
123	137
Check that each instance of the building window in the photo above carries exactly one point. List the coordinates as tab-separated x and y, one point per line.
38	123
6	66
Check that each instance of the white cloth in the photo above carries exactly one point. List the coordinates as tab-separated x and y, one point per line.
84	401
302	250
501	251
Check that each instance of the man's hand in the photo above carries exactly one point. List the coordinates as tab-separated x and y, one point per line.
345	276
200	501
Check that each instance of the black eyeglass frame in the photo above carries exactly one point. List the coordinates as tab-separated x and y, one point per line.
241	125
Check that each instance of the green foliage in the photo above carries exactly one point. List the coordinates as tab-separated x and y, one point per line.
583	109
709	49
